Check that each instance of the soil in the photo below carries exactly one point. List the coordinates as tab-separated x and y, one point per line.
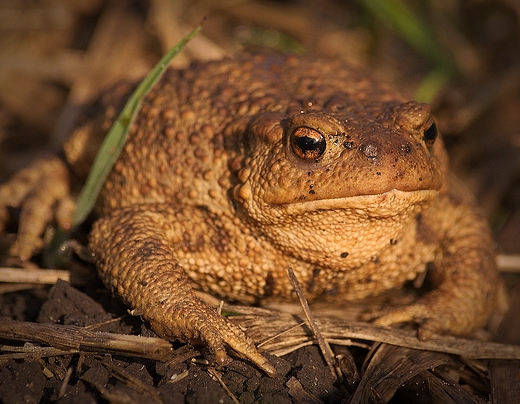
94	376
303	375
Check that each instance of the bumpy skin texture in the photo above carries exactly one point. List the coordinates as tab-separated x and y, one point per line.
236	169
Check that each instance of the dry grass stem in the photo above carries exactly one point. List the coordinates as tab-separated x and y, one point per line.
72	339
279	335
262	324
508	262
327	353
132	381
33	276
215	375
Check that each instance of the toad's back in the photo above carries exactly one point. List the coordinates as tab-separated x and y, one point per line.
195	122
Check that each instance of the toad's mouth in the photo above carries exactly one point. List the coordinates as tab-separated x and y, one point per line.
386	204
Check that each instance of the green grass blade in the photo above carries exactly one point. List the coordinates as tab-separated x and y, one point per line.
53	256
116	137
408	26
430	85
417	33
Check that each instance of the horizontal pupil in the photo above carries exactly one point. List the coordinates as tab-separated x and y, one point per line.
308	143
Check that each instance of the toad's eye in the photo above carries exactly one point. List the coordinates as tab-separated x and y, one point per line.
430	134
307	143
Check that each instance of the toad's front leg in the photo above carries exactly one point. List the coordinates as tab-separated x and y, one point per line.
134	250
42	192
466	288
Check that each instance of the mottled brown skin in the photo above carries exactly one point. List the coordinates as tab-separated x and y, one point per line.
235	170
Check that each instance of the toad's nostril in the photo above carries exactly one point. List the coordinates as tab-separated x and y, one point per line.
406	148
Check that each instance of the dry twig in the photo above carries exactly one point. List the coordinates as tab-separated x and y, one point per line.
71	339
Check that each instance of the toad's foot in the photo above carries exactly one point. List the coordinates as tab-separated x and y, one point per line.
193	320
439	313
41	191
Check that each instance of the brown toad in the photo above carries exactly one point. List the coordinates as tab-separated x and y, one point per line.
235	170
